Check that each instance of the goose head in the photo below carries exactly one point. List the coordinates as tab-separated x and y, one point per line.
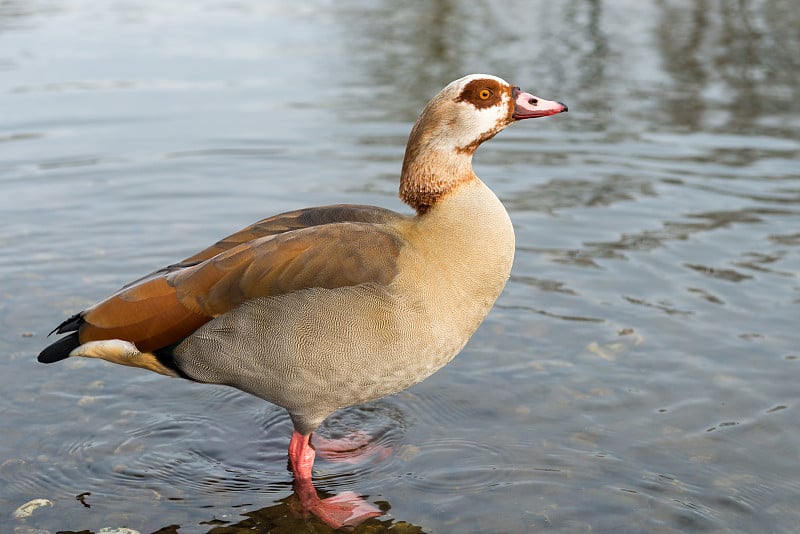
464	114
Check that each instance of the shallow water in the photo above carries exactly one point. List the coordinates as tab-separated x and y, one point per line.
638	374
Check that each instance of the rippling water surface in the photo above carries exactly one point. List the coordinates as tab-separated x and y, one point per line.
640	371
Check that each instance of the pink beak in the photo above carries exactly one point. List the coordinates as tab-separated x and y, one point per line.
527	106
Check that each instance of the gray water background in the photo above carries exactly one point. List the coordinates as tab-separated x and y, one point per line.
638	374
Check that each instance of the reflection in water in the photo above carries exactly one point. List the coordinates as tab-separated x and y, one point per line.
584	41
434	42
286	517
736	56
289	517
410	51
680	35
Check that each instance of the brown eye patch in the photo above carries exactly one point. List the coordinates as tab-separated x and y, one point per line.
483	93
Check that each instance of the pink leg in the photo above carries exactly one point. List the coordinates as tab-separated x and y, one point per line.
345	509
301	455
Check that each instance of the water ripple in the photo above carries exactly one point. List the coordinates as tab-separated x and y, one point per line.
383	422
456	465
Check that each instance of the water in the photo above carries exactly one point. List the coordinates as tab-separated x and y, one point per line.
639	373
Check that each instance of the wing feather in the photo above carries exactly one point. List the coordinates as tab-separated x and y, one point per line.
295	220
288	252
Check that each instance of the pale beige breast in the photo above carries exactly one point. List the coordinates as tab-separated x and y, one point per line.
458	256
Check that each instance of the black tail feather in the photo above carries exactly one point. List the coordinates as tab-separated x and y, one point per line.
69	325
60	349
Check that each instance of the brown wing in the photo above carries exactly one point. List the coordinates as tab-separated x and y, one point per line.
295	220
278	224
298	250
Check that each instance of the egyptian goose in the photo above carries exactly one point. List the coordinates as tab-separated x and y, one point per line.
322	308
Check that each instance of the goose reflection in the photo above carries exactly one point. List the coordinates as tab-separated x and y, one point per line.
290	514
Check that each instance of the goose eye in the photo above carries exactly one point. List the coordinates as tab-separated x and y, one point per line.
484	94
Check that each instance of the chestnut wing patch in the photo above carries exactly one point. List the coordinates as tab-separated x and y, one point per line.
168	305
295	220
